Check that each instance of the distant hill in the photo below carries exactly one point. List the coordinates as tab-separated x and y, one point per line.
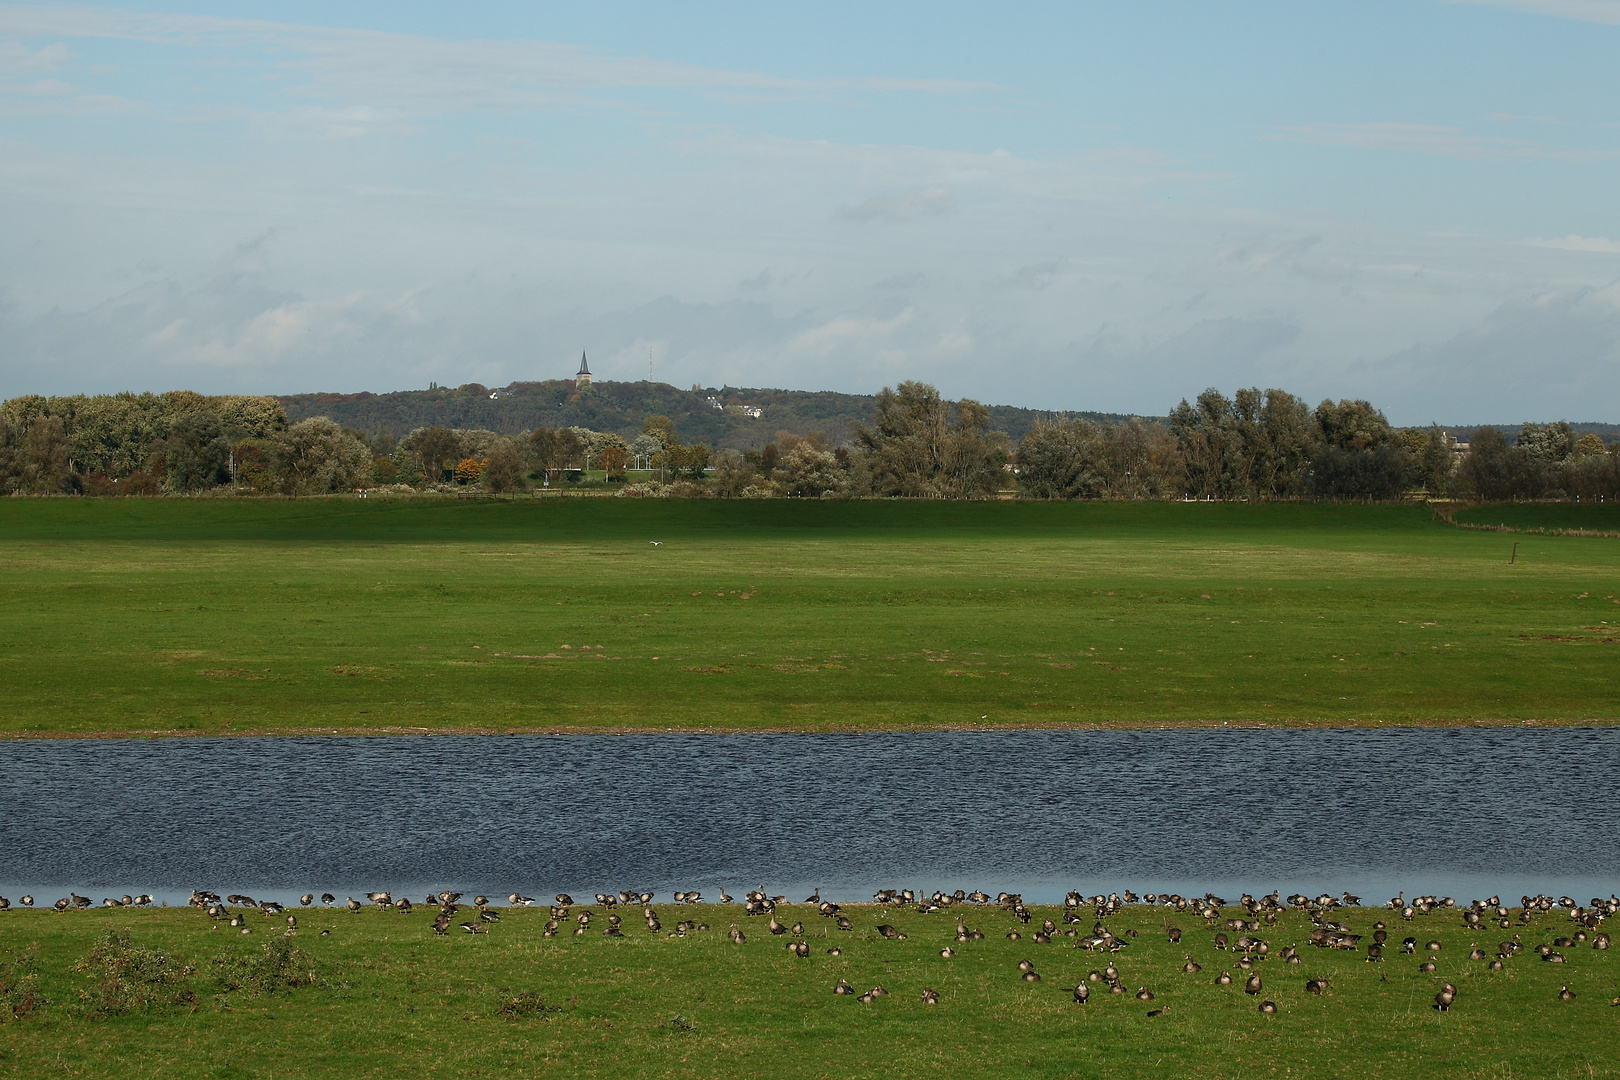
621	407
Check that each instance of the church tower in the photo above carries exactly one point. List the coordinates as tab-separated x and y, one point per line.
583	379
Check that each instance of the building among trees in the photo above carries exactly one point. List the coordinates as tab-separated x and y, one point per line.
583	379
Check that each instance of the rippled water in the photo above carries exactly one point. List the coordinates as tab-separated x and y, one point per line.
1461	812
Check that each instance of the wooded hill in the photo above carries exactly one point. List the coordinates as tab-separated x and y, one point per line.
621	407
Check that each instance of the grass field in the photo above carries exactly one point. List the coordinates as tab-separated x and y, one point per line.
212	616
394	1000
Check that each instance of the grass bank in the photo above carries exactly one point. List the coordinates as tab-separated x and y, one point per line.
230	616
392	999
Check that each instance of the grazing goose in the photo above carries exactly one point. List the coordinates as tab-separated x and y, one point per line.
887	931
519	900
1315	986
381	899
474	928
1174	934
62	904
563	900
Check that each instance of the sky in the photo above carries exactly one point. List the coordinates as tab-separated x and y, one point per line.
1064	206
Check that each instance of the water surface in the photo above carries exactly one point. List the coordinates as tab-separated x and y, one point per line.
1458	812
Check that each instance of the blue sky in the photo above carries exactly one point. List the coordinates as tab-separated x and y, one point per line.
1064	206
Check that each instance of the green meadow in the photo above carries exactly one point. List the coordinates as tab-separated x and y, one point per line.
389	998
199	616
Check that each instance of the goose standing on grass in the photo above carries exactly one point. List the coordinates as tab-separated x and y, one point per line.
328	899
28	901
307	899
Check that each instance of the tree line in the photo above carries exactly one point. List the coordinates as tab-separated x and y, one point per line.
1255	445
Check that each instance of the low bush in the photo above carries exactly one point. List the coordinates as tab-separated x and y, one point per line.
276	968
128	978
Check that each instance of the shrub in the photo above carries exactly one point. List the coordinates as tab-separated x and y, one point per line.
19	986
468	470
276	968
127	978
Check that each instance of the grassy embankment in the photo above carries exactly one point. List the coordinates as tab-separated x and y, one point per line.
216	616
394	1000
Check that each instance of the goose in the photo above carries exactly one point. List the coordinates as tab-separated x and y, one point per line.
843	987
5	905
1433	946
1494	965
1174	934
563	899
353	905
307	899
381	899
1082	993
1315	986
1253	985
835	951
1600	942
1428	967
292	922
1477	953
885	930
1032	976
1094	976
778	928
474	928
1565	994
1191	967
489	916
1144	994
724	897
947	952
1111	973
483	901
28	901
815	897
1269	1008
801	949
930	996
1445	998
328	899
519	900
62	904
737	935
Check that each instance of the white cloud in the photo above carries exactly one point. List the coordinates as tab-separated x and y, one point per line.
901	205
437	75
1597	11
1572	242
1435	140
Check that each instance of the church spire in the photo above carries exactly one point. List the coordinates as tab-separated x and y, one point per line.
583	379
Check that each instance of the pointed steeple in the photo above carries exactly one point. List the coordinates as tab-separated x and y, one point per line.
583	379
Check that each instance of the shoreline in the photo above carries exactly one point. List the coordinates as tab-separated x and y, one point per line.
400	731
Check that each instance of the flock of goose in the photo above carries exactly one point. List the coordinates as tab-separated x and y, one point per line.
1238	933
